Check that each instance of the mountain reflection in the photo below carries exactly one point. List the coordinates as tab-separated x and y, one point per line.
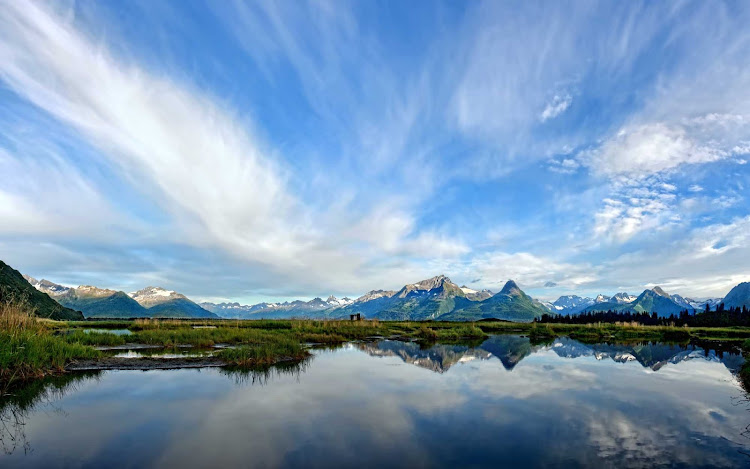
512	349
344	408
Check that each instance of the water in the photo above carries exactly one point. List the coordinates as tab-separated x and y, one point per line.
501	403
108	331
191	353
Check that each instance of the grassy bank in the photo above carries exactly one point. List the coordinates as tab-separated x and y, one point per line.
234	332
29	350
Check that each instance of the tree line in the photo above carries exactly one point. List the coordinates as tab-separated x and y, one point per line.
719	317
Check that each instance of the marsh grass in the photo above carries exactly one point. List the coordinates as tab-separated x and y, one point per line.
263	354
450	334
203	337
93	338
29	350
99	324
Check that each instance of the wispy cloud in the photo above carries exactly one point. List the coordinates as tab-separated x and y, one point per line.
291	149
557	106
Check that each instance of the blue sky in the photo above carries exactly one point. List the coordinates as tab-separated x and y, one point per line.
270	150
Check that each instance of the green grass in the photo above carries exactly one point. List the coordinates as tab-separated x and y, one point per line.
263	354
28	349
93	338
450	334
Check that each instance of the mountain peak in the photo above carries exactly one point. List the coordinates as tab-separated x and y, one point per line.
151	296
738	296
374	295
93	292
510	288
660	292
623	297
434	282
50	288
439	282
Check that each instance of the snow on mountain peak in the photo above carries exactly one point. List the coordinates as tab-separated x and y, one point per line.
151	296
623	298
333	301
50	288
374	295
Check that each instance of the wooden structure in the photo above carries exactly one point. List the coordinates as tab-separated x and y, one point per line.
355	317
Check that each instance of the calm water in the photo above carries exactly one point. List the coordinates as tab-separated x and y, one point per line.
110	331
505	401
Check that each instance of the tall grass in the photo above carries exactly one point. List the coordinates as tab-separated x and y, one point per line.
263	354
28	350
93	338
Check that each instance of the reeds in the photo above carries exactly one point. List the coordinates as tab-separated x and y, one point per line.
28	350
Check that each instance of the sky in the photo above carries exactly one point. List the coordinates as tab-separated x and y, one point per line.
250	151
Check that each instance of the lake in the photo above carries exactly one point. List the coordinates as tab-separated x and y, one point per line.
505	401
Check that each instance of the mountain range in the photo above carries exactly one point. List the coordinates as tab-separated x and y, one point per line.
436	298
275	310
93	302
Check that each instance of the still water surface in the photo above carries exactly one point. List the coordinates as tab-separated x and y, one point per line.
500	403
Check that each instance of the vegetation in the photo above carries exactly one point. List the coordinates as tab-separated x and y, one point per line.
29	350
171	332
719	317
93	338
263	354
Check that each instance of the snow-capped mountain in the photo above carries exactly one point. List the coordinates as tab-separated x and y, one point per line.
105	303
296	308
653	300
152	296
374	295
623	298
684	302
574	304
435	286
476	295
50	288
602	298
58	291
700	304
569	304
333	301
